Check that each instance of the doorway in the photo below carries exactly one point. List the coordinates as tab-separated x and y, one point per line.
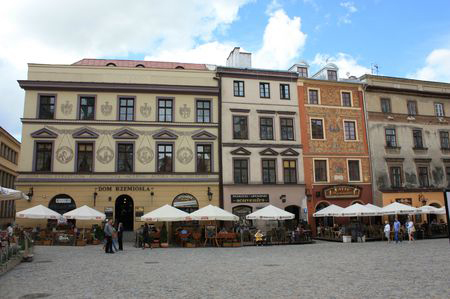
124	212
293	223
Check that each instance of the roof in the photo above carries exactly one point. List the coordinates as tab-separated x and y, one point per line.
141	63
11	136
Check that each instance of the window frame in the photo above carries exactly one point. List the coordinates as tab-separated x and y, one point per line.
261	126
293	128
172	144
35	154
290	170
238	85
282	94
211	160
55	105
77	168
416	145
334	72
388	101
355	127
119	98
447	137
118	156
262	90
386	137
323	128
359	170
391	176
80	97
232	126
172	114
418	169
203	109
416	112
342	92
269	169
318	96
327	174
247	160
436	104
303	73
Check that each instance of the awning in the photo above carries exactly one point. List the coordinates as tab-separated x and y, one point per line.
397	208
356	210
38	212
85	213
211	212
331	210
7	194
165	213
270	213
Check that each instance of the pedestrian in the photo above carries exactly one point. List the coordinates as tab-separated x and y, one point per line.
387	231
145	236
108	235
115	244
396	229
411	230
120	235
10	231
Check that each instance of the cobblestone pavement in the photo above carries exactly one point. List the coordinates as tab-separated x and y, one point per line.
322	270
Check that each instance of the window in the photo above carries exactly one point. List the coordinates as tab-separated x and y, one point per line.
385	105
317	129
302	72
203	111
8	153
266	128
284	92
349	130
264	90
396	176
240	171
447	170
423	176
43	156
444	136
87	108
287	128
240	128
165	110
391	139
165	157
46	107
238	88
125	157
313	96
320	171
269	171
439	109
412	108
417	139
204	158
354	174
290	171
126	109
332	75
346	99
85	157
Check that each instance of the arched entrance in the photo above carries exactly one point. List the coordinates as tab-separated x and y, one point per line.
62	203
185	202
124	211
296	211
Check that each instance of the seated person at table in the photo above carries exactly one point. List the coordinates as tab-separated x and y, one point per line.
258	238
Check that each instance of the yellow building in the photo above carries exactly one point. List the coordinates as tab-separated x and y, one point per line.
123	137
9	157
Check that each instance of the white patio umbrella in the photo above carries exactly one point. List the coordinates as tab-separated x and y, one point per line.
211	212
397	208
375	208
356	210
38	212
440	211
331	210
165	213
270	213
6	194
84	213
426	210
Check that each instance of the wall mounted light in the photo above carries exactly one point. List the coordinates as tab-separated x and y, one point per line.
30	193
283	198
152	194
210	194
109	198
95	197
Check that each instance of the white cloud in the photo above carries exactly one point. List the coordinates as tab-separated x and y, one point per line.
437	66
348	65
351	9
54	31
282	42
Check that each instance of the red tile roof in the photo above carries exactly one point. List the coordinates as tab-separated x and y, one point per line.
147	64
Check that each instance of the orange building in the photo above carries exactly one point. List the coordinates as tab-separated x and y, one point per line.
335	148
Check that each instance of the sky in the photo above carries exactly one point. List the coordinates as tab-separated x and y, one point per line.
403	38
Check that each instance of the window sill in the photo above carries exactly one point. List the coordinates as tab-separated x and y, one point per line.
420	149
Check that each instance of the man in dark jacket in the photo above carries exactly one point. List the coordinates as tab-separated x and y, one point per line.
108	235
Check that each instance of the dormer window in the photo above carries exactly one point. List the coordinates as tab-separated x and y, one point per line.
302	72
332	75
111	64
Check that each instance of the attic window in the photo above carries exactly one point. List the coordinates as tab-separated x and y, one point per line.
140	65
302	72
111	64
180	67
332	75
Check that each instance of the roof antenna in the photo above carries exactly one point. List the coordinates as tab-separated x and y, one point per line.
374	69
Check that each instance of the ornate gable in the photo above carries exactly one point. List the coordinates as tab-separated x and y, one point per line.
85	133
44	133
204	135
165	134
125	134
268	152
289	152
241	152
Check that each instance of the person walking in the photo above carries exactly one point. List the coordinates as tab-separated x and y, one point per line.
387	231
115	244
411	230
108	235
145	236
120	235
396	229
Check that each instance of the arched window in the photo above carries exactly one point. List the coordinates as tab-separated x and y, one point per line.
62	203
185	202
180	67
111	64
140	65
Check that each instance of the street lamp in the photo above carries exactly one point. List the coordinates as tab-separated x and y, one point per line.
210	194
30	193
95	197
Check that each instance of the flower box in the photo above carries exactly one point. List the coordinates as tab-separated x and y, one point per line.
81	242
190	245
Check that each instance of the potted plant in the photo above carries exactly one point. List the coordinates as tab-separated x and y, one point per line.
163	237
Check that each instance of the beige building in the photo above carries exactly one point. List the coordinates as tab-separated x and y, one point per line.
9	157
261	146
123	137
409	127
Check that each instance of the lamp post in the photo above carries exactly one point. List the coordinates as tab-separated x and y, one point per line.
210	194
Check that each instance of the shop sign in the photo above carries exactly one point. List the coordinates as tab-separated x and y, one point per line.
185	200
249	198
342	191
63	200
122	188
109	212
405	201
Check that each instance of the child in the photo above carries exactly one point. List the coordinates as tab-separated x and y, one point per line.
258	238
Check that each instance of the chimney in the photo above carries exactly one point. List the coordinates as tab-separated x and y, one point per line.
239	59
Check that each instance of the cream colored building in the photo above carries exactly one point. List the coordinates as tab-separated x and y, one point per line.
408	128
261	146
123	137
9	157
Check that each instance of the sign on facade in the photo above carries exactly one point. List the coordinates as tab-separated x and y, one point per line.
249	198
342	191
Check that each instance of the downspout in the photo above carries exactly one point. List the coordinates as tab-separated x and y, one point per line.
219	83
369	147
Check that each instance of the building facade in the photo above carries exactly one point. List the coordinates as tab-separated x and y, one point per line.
9	158
409	127
335	149
261	144
123	137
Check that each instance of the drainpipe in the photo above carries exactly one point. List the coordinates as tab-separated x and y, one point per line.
219	84
369	147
